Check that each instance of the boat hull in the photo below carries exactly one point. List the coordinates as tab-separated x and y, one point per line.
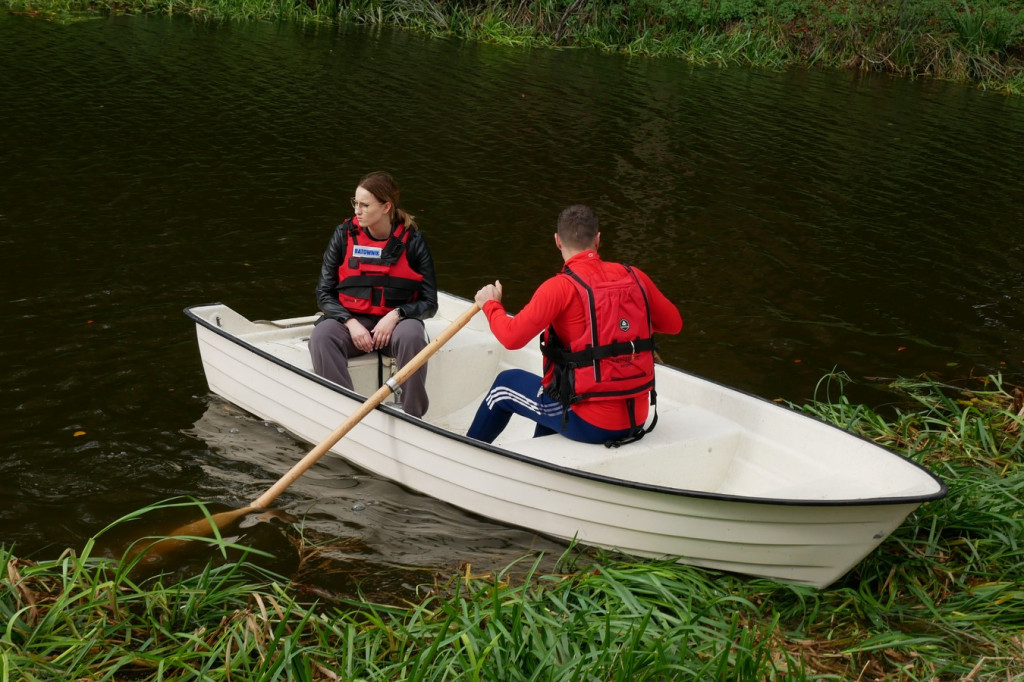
803	540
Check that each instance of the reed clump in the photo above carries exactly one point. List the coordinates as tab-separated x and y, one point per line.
942	598
980	42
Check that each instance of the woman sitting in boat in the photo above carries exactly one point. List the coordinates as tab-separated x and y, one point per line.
376	286
597	320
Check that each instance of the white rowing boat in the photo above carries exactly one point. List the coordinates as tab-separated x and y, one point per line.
726	480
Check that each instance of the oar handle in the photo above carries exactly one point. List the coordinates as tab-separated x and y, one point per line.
371	404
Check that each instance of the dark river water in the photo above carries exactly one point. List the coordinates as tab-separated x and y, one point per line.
804	222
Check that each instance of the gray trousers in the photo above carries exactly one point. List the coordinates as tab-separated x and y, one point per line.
330	346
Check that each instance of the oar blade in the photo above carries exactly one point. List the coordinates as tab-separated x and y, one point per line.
156	551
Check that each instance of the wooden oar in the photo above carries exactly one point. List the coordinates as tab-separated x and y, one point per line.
205	527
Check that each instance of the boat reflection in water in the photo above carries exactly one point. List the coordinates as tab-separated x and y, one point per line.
354	532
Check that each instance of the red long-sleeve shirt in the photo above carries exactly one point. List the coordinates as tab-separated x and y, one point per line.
556	303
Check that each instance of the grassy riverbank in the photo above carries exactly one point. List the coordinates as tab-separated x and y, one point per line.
943	598
980	42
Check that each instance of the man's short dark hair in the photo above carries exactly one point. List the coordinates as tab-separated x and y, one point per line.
577	227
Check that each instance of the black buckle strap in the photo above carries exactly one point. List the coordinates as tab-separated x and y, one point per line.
589	356
636	432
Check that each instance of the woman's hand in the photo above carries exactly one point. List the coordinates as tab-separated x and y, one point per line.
361	338
384	328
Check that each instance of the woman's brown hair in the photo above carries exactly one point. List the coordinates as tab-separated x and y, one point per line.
384	188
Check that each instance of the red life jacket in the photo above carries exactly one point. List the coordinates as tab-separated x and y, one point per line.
614	358
374	280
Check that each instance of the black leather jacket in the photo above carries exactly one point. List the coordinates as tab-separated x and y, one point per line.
420	260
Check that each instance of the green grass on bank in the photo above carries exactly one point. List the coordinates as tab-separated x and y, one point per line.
980	42
941	599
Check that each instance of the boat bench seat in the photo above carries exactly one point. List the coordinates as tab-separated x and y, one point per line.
472	354
363	368
705	444
297	353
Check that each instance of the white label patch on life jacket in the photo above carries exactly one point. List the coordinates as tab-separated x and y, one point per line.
366	251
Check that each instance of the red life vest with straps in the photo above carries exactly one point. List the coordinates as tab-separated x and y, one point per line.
374	279
613	359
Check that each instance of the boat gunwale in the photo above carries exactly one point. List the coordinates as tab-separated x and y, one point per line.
624	483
